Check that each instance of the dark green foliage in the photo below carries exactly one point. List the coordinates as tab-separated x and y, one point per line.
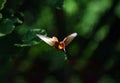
0	16
92	57
29	38
56	3
6	27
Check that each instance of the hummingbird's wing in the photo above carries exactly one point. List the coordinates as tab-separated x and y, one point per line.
48	40
69	38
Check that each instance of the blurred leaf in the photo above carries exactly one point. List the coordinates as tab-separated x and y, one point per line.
56	3
6	27
90	49
51	79
20	80
29	37
101	33
0	16
57	60
70	6
106	79
5	68
117	10
75	79
25	65
109	63
118	46
92	15
74	48
2	3
81	64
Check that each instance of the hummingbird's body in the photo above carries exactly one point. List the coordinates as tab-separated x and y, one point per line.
60	45
55	43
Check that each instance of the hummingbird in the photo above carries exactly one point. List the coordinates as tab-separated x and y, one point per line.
55	42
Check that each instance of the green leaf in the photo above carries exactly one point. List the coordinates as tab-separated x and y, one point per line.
29	38
6	27
2	3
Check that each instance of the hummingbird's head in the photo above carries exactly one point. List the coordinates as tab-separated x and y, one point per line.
61	45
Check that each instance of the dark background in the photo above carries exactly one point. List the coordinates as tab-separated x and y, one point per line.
93	56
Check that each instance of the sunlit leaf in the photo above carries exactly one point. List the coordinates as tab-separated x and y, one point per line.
70	7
